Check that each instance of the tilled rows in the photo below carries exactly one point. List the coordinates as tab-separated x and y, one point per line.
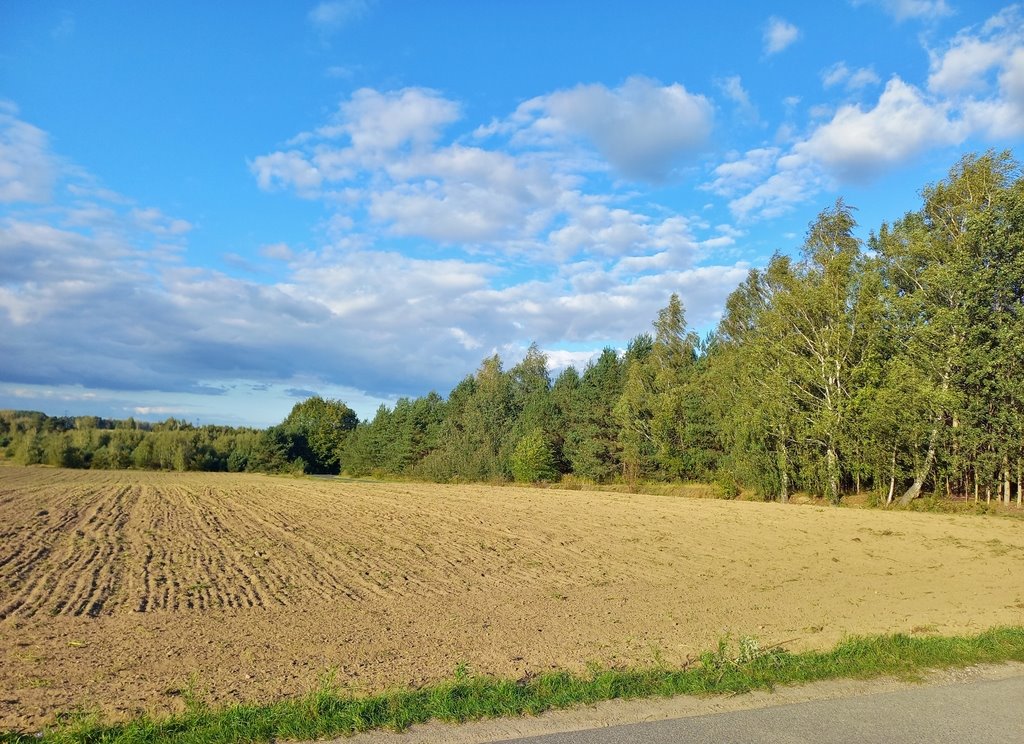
91	543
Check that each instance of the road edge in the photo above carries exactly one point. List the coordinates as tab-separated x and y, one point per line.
621	712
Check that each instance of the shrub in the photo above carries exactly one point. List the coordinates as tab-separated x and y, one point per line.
727	485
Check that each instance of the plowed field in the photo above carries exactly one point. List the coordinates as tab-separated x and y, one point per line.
130	591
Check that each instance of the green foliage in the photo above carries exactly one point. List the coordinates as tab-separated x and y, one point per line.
315	430
727	485
532	461
590	444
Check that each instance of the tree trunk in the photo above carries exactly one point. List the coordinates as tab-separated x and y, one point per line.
783	457
915	489
833	475
1006	480
1019	473
892	478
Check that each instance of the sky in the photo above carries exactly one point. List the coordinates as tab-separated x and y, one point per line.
214	210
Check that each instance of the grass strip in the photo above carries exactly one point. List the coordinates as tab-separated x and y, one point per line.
731	668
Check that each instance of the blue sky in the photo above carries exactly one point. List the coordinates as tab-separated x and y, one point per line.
212	210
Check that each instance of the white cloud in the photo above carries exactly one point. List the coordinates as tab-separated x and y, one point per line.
903	10
975	88
156	222
854	145
962	67
449	212
642	128
375	121
387	150
852	80
286	169
857	145
329	17
27	169
794	182
835	74
732	88
861	78
104	316
1011	79
371	126
779	34
460	193
277	252
983	69
742	172
562	359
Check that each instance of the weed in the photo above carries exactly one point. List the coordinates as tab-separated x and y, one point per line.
193	696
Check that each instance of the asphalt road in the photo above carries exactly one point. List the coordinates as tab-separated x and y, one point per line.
982	712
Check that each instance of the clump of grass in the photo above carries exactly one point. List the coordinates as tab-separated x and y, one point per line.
731	668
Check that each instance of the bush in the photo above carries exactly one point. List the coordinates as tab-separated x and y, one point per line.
727	485
532	460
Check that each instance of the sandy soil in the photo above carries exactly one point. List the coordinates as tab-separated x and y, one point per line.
126	591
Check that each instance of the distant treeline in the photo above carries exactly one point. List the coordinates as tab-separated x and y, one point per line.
891	366
307	441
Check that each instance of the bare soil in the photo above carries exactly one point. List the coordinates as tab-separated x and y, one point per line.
124	592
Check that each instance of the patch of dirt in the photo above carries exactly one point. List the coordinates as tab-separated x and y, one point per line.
129	591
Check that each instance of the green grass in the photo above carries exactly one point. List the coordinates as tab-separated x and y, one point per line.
732	668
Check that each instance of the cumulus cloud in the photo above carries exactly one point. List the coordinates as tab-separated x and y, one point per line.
376	122
459	193
286	169
385	153
779	34
366	132
858	144
963	66
642	129
855	145
982	71
153	220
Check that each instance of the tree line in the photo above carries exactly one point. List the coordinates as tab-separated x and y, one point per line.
307	441
890	365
